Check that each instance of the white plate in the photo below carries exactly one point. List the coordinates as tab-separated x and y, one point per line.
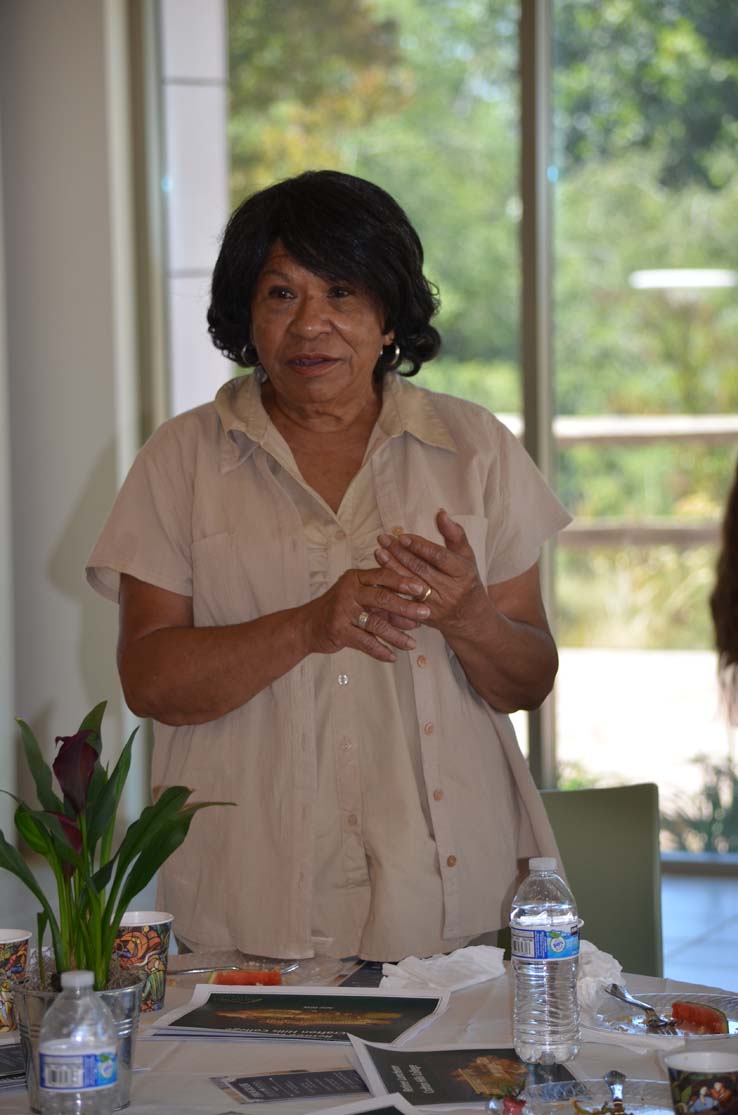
642	1097
619	1018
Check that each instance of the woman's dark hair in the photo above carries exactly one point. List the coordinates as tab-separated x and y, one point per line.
343	229
724	604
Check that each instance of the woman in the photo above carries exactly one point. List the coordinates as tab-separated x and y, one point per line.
329	600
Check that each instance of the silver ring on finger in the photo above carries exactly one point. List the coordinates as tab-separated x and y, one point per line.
362	620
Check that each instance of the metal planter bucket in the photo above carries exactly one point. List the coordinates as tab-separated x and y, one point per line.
125	1004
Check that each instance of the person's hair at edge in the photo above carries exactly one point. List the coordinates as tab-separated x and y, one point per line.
343	229
724	605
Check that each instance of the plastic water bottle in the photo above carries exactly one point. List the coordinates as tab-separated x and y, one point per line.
78	1051
545	956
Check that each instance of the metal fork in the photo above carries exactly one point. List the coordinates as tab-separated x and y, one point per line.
654	1020
284	969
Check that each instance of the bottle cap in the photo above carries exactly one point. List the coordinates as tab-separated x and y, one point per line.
542	863
77	979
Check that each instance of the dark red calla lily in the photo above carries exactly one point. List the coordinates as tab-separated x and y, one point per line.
73	767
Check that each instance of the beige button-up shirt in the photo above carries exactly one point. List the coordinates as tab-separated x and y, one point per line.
388	835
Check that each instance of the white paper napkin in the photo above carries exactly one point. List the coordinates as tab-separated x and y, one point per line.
596	970
451	972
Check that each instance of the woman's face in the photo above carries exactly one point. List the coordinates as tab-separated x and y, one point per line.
317	341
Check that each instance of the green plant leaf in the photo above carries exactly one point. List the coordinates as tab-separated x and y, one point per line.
102	810
98	782
142	833
44	833
35	835
42	921
139	832
102	876
169	837
159	831
12	861
40	769
93	723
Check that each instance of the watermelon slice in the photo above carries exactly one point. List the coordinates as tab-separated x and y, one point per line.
698	1018
246	977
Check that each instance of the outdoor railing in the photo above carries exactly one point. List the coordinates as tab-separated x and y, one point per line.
609	430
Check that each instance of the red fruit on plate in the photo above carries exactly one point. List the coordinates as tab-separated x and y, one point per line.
245	977
698	1018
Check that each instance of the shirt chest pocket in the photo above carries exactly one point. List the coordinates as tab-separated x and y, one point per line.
240	575
475	528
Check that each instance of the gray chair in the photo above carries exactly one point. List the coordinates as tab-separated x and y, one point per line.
609	844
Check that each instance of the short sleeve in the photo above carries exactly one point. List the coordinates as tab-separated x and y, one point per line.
148	533
523	512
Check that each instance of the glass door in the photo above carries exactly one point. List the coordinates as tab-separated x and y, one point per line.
646	350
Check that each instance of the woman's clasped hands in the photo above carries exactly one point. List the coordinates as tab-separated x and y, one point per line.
457	595
416	582
370	610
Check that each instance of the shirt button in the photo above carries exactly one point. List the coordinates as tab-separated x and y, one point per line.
429	728
345	744
421	660
343	679
397	531
451	861
340	535
438	795
352	818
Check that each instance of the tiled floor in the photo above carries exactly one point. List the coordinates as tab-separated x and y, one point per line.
700	917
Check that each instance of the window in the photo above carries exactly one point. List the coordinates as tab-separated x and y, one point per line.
646	309
422	97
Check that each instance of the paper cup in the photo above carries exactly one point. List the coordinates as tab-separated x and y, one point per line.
702	1081
142	947
13	960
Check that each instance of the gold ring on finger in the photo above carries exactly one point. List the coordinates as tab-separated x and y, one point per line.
362	620
426	594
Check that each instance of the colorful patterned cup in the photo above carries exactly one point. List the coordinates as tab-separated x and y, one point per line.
13	959
142	947
703	1081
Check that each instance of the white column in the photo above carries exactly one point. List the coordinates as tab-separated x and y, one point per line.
7	742
195	106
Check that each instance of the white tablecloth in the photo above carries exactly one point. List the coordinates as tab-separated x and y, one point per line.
176	1077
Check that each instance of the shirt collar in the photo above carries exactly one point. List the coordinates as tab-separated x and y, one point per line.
410	409
405	409
243	418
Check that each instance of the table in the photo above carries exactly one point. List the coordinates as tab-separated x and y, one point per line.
175	1077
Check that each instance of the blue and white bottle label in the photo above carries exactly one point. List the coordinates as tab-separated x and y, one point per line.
545	944
77	1072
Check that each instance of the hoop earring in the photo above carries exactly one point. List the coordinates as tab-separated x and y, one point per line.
248	354
396	358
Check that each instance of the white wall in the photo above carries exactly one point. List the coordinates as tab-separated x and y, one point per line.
70	412
7	695
60	310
